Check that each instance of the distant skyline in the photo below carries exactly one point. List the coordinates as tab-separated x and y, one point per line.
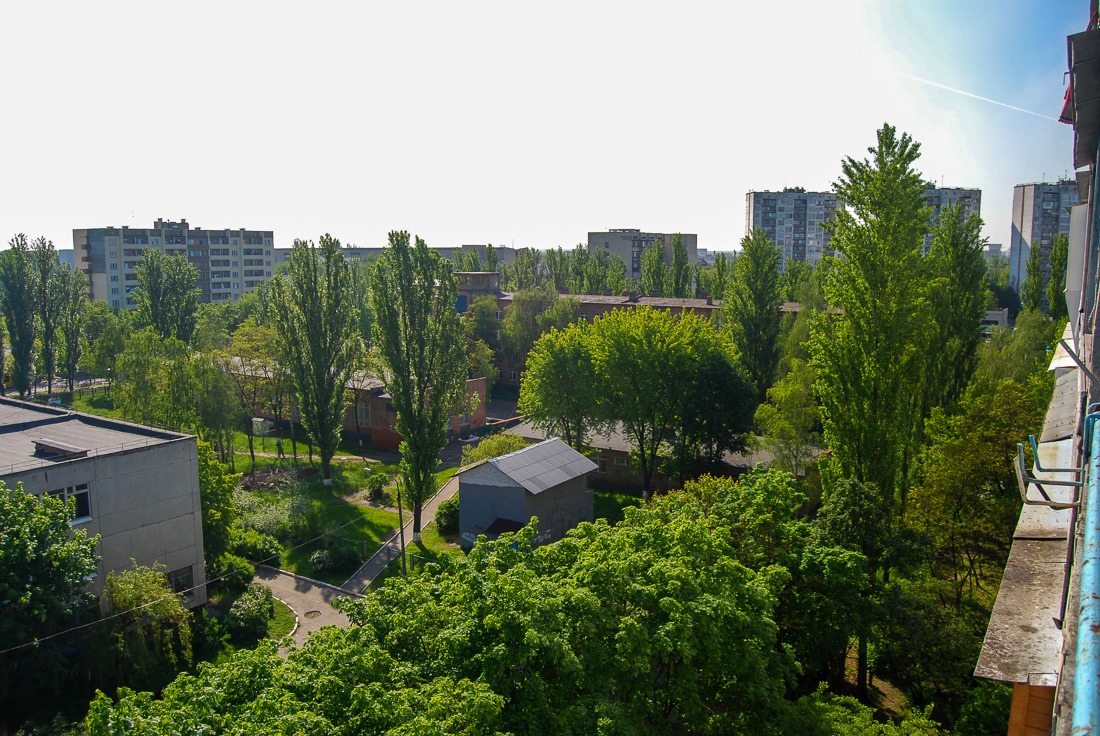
508	123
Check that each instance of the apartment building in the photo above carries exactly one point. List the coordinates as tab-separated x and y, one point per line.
1039	212
793	220
937	198
629	243
137	487
230	262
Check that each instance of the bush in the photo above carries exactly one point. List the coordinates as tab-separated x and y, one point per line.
376	485
235	572
446	518
492	446
208	635
339	556
247	619
253	545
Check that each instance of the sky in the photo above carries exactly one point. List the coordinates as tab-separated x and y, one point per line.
508	123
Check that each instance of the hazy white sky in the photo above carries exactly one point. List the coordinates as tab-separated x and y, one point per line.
507	122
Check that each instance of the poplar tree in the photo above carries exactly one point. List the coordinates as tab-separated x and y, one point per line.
74	305
420	339
1056	286
654	270
318	335
166	297
48	298
18	281
1033	287
752	309
680	273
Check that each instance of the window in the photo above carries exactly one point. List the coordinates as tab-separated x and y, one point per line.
362	413
114	289
114	278
466	419
114	266
511	375
620	461
603	464
500	315
182	581
80	498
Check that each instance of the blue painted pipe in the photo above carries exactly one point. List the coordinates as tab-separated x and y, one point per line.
1086	678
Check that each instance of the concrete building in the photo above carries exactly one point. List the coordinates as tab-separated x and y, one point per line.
793	220
628	244
939	197
1039	212
548	480
505	254
135	486
231	263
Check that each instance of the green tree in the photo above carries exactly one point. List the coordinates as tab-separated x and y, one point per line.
796	274
520	327
557	263
720	276
655	277
1033	287
559	393
680	272
492	446
420	340
870	351
18	289
74	305
251	365
492	260
790	418
616	275
525	271
318	336
49	297
166	296
108	333
1056	286
44	563
471	261
151	636
216	487
752	308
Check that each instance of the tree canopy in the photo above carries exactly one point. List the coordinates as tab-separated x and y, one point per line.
166	296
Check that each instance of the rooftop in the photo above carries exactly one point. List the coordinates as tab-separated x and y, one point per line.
542	466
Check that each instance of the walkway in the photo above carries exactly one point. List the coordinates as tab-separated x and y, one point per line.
391	548
311	600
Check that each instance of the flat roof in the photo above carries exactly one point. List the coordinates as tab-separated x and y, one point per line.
30	435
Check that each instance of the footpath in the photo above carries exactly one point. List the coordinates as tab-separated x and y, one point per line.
311	600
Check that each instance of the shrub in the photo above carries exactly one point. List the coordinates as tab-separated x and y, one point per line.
235	572
341	555
250	613
253	545
208	634
376	487
446	518
492	446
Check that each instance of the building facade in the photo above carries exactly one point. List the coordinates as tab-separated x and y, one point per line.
937	198
793	219
231	263
629	243
137	487
1039	212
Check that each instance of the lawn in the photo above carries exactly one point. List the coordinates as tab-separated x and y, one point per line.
609	503
99	404
431	548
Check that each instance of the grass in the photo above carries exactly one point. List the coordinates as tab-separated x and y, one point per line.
609	503
282	623
431	548
101	405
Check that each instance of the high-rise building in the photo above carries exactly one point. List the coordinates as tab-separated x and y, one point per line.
1039	212
793	220
230	262
628	244
939	197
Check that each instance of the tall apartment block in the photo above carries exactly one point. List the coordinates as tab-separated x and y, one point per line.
939	197
230	262
1039	212
628	244
793	220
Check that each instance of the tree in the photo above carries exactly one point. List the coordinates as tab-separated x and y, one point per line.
492	446
520	327
18	289
680	273
250	363
559	393
166	296
44	562
796	274
74	305
420	341
492	260
870	352
789	419
317	332
752	308
108	333
720	276
616	275
48	298
1056	286
216	486
151	634
1033	287
655	276
958	299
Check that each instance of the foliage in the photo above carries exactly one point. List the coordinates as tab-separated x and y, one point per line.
151	630
520	327
752	308
1033	287
249	614
107	335
986	710
18	294
492	446
1018	354
74	304
216	487
166	296
446	517
318	337
559	392
48	299
1056	285
43	565
655	276
340	556
790	419
252	544
235	573
420	339
680	272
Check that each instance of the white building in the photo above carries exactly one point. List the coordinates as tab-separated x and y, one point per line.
137	487
1039	212
793	220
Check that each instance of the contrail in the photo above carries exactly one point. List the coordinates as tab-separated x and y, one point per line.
964	93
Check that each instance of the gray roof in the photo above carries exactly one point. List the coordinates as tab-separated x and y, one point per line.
34	436
544	465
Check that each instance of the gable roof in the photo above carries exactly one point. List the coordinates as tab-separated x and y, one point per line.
544	465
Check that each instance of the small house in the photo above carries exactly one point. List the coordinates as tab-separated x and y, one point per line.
548	480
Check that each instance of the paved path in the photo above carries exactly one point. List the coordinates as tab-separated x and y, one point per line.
310	600
391	548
